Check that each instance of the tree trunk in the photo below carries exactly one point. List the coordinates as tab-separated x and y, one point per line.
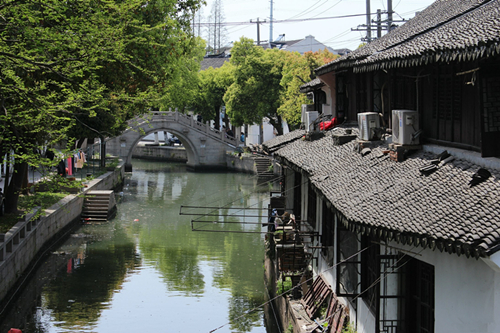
277	124
15	186
103	153
7	177
217	119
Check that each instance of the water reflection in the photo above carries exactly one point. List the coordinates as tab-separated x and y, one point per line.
148	270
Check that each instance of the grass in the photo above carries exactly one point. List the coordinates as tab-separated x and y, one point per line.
44	199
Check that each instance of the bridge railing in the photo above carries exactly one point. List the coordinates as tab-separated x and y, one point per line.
186	120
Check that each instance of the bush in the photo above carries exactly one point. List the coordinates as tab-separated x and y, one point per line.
26	204
284	286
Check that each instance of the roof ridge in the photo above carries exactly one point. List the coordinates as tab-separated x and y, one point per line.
440	24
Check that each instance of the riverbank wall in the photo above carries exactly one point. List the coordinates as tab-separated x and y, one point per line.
242	163
247	164
160	153
23	244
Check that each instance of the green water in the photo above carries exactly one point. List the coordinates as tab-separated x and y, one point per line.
148	271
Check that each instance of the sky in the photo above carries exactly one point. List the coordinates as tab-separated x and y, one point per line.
319	18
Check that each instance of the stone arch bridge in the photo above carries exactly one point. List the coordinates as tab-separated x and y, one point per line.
205	146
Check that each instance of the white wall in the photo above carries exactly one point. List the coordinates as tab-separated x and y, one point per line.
467	292
268	132
328	108
308	44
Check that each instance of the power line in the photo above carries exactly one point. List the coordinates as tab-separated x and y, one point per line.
285	21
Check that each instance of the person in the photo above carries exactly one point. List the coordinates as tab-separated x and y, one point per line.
199	118
61	168
242	137
272	220
230	133
49	154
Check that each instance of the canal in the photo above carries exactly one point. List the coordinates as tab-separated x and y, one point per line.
147	270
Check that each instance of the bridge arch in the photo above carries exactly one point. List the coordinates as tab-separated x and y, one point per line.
192	154
205	147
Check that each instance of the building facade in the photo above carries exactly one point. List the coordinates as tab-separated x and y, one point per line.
407	233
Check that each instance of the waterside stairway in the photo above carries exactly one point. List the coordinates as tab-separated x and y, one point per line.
263	167
98	206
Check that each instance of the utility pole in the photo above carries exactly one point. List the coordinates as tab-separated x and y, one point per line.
258	29
389	15
378	24
366	27
368	22
271	25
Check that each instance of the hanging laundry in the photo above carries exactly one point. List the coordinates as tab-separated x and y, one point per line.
80	159
70	166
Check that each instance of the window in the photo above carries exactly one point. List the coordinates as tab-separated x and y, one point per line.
327	234
420	297
404	92
341	96
297	190
370	269
361	93
348	268
311	206
406	295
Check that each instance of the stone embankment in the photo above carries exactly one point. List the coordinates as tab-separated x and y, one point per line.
261	166
24	243
160	153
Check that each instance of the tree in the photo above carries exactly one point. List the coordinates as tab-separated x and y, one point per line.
213	84
216	33
255	93
183	89
157	63
299	69
64	62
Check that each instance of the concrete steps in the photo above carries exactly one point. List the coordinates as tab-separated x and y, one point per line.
98	206
262	167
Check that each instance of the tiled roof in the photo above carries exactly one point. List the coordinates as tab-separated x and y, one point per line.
213	62
445	31
306	87
280	140
374	195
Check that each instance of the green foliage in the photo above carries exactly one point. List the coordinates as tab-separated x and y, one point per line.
26	204
285	286
255	93
182	92
212	85
290	328
299	69
113	163
74	69
348	328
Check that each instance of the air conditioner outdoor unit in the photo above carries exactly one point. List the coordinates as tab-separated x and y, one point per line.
404	127
368	122
306	108
303	116
311	116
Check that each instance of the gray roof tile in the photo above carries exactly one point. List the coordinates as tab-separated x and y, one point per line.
444	31
281	140
375	191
